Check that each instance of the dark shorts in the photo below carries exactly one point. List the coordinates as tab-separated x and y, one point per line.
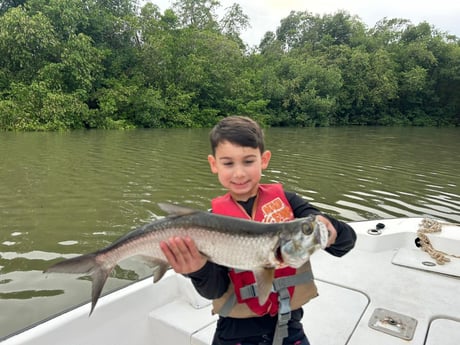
296	338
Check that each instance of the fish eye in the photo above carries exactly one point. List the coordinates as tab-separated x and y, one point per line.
306	228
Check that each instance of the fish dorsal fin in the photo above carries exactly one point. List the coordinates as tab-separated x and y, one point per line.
176	210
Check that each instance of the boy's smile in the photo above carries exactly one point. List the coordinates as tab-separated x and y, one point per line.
239	168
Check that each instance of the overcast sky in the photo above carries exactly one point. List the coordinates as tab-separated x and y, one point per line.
265	15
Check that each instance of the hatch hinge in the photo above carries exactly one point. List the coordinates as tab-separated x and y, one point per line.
390	322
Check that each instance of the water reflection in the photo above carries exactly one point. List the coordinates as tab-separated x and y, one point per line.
63	194
28	294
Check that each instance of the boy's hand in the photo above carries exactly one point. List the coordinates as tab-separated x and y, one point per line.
330	228
182	254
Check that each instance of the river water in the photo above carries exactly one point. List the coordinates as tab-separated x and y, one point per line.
63	194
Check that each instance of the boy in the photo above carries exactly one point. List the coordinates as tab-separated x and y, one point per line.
238	158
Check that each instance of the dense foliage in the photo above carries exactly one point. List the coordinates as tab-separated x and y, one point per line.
67	64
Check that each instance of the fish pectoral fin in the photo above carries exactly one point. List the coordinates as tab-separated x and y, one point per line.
176	210
160	270
159	266
264	281
207	257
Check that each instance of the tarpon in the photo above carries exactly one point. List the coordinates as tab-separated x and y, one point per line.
228	241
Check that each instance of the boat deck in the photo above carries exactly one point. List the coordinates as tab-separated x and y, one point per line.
382	292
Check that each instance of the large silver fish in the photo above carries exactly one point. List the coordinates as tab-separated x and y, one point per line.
228	241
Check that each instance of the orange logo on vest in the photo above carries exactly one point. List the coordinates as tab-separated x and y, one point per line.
276	211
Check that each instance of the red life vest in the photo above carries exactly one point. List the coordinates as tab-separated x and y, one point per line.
270	206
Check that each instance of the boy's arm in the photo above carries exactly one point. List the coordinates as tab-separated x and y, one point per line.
211	281
346	236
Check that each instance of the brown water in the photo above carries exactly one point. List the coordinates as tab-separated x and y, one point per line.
72	193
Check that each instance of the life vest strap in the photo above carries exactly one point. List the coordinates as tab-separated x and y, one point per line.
280	283
284	315
287	281
228	305
248	291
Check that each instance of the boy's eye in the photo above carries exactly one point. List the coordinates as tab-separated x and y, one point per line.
228	164
249	161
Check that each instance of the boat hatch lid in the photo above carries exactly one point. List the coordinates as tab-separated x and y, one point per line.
418	259
443	331
336	327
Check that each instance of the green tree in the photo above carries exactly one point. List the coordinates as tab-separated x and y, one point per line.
5	5
198	14
234	22
369	84
78	67
36	107
68	17
27	43
68	64
312	32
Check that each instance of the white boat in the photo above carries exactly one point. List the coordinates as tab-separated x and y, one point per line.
386	291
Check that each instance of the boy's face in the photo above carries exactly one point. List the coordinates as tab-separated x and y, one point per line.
239	168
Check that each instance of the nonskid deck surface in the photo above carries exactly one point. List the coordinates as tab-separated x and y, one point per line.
421	293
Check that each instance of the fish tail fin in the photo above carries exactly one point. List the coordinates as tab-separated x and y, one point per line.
85	264
99	276
80	264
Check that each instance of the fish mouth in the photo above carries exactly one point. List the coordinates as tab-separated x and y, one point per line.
278	254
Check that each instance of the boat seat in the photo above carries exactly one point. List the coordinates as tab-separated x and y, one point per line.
181	318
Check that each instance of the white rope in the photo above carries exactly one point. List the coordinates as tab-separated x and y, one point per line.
428	226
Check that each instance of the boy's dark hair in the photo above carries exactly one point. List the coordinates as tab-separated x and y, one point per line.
238	130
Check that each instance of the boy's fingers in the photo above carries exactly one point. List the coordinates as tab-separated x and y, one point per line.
182	254
192	248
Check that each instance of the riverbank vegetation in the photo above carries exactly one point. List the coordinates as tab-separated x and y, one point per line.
70	64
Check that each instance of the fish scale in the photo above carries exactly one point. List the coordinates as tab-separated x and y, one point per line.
228	241
227	249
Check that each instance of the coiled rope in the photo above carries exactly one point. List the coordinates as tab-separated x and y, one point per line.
428	226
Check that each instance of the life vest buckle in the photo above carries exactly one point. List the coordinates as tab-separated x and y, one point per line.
248	291
284	315
284	308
